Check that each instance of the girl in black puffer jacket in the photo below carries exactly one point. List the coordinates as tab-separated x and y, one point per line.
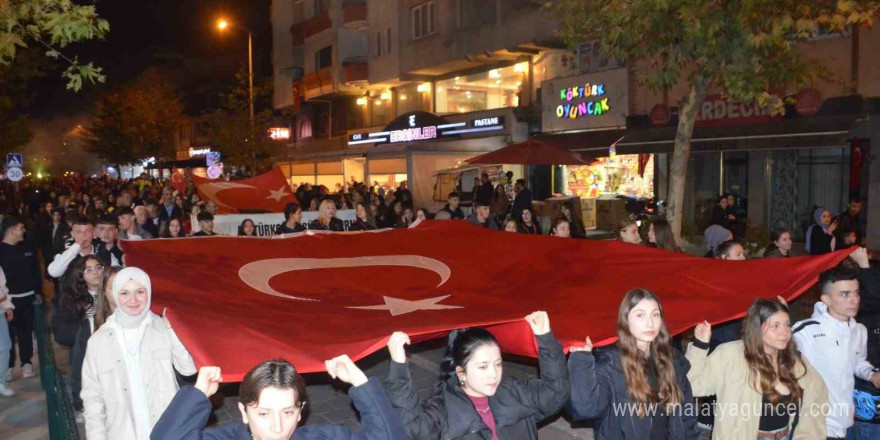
475	402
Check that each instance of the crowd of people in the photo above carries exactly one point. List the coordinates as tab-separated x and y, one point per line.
812	379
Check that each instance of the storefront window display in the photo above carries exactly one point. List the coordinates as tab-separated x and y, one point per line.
618	176
496	88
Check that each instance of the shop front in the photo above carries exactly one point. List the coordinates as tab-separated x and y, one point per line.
410	148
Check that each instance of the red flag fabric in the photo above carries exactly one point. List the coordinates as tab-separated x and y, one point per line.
235	302
178	180
267	192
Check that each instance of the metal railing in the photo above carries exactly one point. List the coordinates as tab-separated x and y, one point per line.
62	423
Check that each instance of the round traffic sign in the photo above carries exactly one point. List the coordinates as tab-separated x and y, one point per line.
14	174
214	171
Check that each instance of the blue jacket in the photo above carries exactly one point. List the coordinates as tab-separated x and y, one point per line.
186	416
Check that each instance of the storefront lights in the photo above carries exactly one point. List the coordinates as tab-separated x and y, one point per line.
386	96
521	67
362	101
424	88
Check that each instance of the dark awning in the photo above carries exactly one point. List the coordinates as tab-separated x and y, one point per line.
807	132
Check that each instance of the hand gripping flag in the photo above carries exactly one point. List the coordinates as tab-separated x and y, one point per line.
267	192
235	302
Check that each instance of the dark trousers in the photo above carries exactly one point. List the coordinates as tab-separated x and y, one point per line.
21	329
77	357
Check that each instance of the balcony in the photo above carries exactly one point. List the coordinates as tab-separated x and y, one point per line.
355	15
316	24
322	80
356	70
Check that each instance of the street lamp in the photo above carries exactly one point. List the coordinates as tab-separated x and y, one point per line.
222	24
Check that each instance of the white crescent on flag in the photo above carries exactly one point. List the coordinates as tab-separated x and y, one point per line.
212	189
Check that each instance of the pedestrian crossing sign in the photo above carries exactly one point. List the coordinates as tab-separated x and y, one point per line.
13	160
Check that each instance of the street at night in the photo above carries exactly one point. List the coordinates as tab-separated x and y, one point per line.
439	219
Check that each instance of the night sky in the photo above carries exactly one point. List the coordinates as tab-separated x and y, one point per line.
178	35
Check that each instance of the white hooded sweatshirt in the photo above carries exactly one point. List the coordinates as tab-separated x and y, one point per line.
838	350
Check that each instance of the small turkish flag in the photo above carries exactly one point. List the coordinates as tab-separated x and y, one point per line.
267	192
178	181
235	301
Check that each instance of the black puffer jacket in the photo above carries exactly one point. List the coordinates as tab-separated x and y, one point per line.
517	406
599	392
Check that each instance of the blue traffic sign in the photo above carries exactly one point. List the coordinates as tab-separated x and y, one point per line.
13	160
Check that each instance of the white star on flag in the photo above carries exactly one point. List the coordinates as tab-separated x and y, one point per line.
278	195
398	306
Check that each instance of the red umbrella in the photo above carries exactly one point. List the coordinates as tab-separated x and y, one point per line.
530	152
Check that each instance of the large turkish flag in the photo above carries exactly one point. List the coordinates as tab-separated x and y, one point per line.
267	192
236	302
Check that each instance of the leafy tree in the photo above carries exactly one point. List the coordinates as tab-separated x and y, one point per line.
742	48
136	121
230	130
53	25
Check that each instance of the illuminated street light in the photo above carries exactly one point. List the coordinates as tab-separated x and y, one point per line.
222	24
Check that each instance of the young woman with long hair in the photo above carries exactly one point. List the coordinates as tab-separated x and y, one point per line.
79	295
173	229
365	220
641	373
327	220
528	224
762	374
660	236
628	232
272	397
780	244
247	228
106	305
499	205
128	373
474	401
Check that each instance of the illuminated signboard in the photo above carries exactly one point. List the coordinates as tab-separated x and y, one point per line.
198	151
591	97
279	133
423	126
589	101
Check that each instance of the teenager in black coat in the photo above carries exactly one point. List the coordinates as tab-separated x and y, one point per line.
475	402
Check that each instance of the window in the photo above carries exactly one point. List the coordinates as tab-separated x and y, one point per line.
496	88
422	17
324	58
378	44
389	41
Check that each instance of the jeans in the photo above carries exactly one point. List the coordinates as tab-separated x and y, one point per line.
865	430
5	346
21	329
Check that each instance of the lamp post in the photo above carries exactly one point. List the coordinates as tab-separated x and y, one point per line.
222	25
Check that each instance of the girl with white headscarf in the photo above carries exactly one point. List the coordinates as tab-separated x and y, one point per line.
128	374
820	236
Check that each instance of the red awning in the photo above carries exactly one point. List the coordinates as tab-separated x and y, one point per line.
530	152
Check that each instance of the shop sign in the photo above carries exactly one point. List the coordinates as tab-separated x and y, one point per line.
807	102
423	126
718	110
279	133
586	101
198	151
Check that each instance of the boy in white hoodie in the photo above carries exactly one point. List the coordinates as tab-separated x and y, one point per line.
836	345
